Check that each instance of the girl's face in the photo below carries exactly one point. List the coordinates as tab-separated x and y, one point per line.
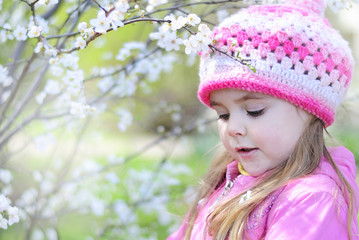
257	130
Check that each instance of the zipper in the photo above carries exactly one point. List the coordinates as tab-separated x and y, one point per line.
226	190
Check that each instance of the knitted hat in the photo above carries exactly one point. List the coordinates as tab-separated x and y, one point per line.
296	54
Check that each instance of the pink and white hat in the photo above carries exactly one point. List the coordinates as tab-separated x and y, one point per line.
297	56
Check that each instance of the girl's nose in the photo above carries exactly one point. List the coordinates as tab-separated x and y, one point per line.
236	127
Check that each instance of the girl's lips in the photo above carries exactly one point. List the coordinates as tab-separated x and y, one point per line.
245	152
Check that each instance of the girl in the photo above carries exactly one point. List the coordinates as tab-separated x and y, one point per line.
276	179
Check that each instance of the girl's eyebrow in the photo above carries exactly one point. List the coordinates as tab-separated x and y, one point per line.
246	97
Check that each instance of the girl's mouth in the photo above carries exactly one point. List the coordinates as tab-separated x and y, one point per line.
244	149
245	152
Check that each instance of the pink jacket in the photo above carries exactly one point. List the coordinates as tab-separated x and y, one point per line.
309	208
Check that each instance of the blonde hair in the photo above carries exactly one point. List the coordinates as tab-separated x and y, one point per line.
230	218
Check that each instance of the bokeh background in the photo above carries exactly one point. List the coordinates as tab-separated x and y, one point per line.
130	171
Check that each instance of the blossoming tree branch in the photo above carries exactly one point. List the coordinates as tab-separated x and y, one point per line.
46	89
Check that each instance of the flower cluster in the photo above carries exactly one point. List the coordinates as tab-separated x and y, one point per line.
167	34
200	41
81	110
5	83
8	214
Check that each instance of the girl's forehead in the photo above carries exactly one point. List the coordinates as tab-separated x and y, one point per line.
220	95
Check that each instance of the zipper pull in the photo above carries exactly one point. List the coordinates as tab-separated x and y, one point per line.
227	187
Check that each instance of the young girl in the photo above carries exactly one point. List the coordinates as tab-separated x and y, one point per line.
276	179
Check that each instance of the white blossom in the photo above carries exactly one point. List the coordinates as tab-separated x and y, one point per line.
35	31
178	23
5	176
105	84
6	33
81	110
167	25
51	234
5	96
122	6
172	42
56	71
101	23
42	142
112	178
52	87
50	51
39	47
115	19
125	119
4	203
37	235
40	97
123	54
192	44
70	60
82	27
3	222
6	80
193	19
80	43
89	32
20	33
98	207
13	213
154	3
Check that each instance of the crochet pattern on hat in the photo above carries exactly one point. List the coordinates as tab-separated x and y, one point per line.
287	44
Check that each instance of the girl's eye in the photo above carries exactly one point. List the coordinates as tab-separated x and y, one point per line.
255	113
223	116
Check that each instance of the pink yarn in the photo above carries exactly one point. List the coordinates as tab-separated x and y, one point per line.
273	42
334	75
341	68
316	6
264	49
247	47
235	29
288	47
282	36
303	52
297	41
299	68
329	64
279	53
291	31
308	63
256	40
225	35
295	57
325	52
251	31
312	47
318	58
321	69
241	36
266	35
336	57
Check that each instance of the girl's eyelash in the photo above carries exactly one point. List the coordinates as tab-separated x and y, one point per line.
223	116
255	113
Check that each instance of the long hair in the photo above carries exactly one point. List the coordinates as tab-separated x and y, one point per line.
228	220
